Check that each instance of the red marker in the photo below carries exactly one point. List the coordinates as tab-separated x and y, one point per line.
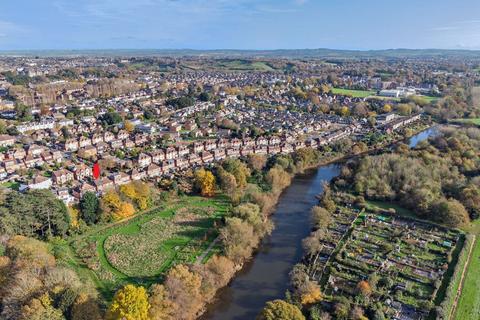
96	170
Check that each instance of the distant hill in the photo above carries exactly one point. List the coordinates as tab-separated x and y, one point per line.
285	53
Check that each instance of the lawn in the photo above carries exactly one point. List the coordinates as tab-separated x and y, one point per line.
143	248
354	93
468	307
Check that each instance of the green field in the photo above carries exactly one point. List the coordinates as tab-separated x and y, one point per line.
468	307
143	248
354	93
475	121
244	65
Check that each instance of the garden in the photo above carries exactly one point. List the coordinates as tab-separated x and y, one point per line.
142	249
374	256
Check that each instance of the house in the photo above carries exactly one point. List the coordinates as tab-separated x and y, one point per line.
103	184
70	145
207	157
96	138
137	175
38	182
198	147
233	152
261	149
83	188
62	176
194	159
219	154
158	156
210	145
144	160
81	171
10	165
87	152
84	142
182	150
181	163
6	140
120	178
108	136
31	161
170	153
154	171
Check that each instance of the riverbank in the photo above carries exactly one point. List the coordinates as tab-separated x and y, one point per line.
234	300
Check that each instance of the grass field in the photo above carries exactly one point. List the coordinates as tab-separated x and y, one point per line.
475	121
244	65
354	93
468	307
143	248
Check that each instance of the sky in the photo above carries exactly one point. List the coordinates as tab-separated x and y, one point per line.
239	24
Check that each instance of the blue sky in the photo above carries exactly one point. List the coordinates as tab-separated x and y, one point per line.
239	24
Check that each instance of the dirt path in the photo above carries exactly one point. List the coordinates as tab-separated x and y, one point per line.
207	251
462	279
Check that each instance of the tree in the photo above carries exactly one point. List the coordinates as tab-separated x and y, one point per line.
404	109
238	239
387	108
205	182
310	293
452	212
161	307
342	308
128	125
129	303
184	287
363	288
321	218
227	182
280	310
138	192
35	213
85	308
239	171
90	207
112	118
257	161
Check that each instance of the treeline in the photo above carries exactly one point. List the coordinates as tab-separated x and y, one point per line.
438	180
33	286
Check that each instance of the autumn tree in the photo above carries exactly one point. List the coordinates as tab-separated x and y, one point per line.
205	182
129	303
364	288
161	306
85	308
280	310
238	239
321	218
138	192
239	170
257	161
184	287
113	207
128	125
227	182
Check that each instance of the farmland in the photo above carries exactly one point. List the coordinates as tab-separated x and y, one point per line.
404	263
141	249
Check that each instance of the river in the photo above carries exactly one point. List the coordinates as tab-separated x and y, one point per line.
265	277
